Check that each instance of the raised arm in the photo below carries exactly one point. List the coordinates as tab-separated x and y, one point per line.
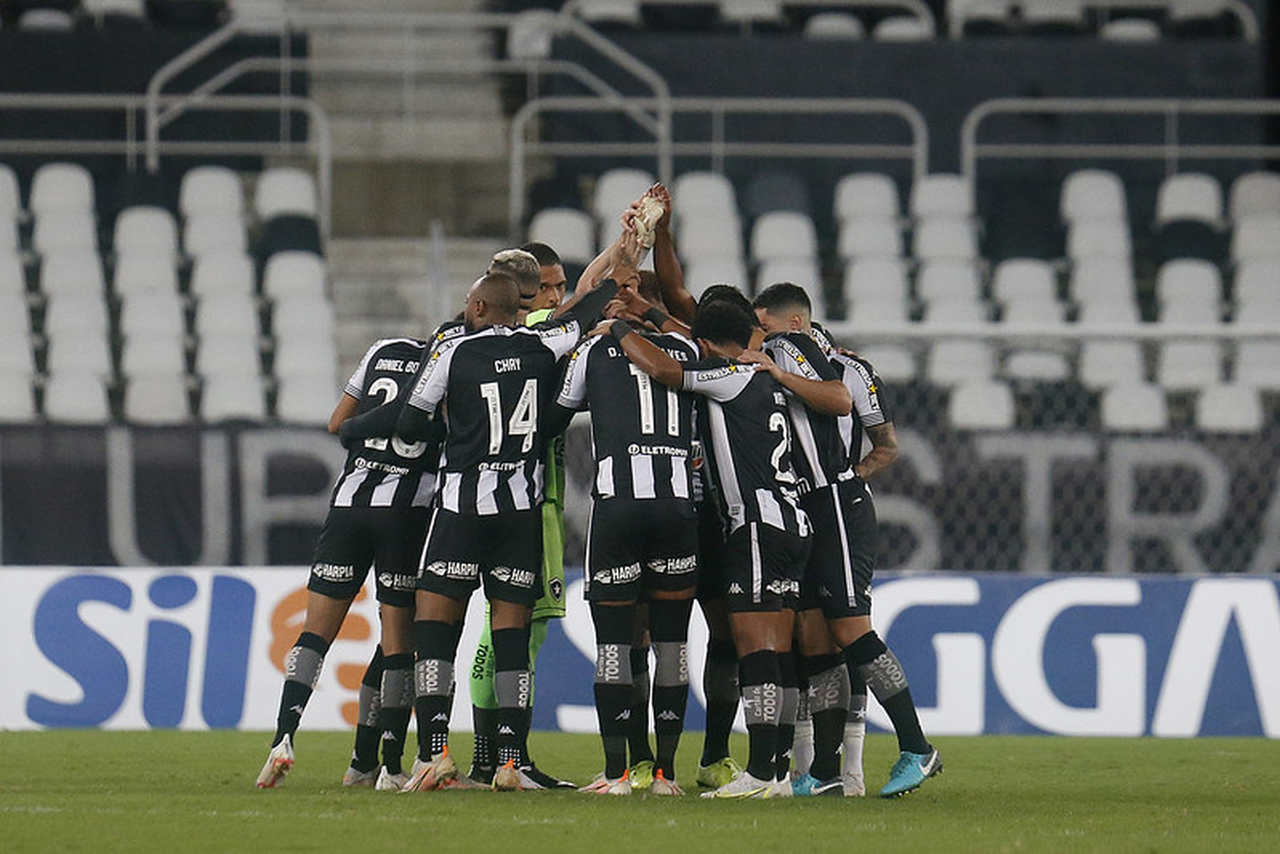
666	265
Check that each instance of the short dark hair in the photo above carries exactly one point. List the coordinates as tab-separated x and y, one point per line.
547	257
501	292
782	296
723	321
725	293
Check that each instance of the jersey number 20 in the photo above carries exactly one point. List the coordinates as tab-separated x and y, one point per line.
387	387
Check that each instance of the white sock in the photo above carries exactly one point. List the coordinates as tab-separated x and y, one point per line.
802	747
854	735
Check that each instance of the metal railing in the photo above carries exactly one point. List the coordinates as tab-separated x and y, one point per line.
1170	150
139	143
718	148
409	25
1048	334
916	7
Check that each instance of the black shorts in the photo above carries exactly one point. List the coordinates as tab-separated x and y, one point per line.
845	542
355	538
504	551
763	566
711	554
637	546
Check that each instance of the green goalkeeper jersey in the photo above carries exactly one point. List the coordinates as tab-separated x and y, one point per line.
551	603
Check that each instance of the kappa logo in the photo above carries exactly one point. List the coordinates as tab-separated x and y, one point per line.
668	715
735	587
506	730
440	716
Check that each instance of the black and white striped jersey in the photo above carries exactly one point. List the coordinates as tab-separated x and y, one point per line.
821	457
493	384
870	406
386	472
746	436
641	431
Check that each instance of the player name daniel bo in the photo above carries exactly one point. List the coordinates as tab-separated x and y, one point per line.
401	365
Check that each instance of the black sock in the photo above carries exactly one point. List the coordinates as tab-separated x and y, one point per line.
613	686
369	718
436	643
397	704
720	686
512	685
638	726
884	675
828	708
761	678
669	627
787	714
485	756
301	671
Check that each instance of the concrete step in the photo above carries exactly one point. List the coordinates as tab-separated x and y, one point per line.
439	138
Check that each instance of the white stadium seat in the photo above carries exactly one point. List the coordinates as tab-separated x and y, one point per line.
1092	194
8	234
783	234
1256	237
876	277
1037	366
61	187
870	237
222	273
77	352
61	231
963	311
306	400
211	190
892	362
948	281
1032	312
1099	238
702	273
953	361
75	398
156	400
153	356
12	278
15	353
981	405
15	320
569	231
146	229
1069	13
1255	194
866	194
1139	408
1189	365
1189	196
75	313
1106	363
285	190
834	25
232	397
1257	280
144	272
207	233
903	28
1098	314
297	356
1102	280
72	272
1018	279
941	194
228	355
294	274
10	200
709	237
152	313
615	190
697	194
798	271
1229	409
1129	30
17	400
227	314
1258	364
874	311
302	315
611	12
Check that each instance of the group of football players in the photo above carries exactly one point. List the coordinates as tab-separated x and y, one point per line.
727	440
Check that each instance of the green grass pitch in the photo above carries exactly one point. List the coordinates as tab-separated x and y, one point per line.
193	792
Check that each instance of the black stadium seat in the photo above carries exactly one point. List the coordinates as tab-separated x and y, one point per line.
288	232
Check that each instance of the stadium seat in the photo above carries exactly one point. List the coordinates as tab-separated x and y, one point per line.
870	237
156	400
1199	19
872	311
1104	314
1229	409
1092	194
61	188
903	28
1103	280
1257	280
1189	196
1099	238
1031	312
228	355
17	401
1037	366
531	34
615	190
834	25
945	238
799	271
219	273
1189	292
8	234
13	280
1106	363
302	315
745	13
289	233
611	12
702	273
768	192
305	400
146	229
1138	408
965	311
72	272
948	280
981	405
59	231
153	356
10	200
1018	279
78	350
226	398
709	237
1130	30
285	190
75	398
227	314
876	278
982	17
1258	364
866	194
205	233
49	20
892	362
15	320
1254	194
297	356
954	361
144	272
783	234
1256	237
15	351
290	274
941	195
571	232
1053	17
703	193
211	190
75	314
152	313
1186	238
1189	365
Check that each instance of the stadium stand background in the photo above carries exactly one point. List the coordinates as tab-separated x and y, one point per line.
420	200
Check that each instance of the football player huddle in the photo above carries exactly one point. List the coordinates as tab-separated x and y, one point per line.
727	438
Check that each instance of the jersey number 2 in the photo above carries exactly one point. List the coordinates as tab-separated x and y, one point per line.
523	421
778	424
389	390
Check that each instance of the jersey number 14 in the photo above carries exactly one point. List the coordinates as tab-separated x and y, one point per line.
523	420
